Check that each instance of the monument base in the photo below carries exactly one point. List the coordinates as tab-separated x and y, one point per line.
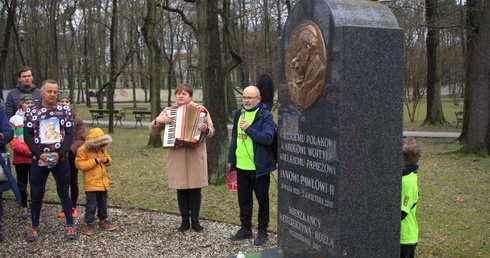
267	253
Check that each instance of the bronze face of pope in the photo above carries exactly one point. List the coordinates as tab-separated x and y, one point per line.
306	58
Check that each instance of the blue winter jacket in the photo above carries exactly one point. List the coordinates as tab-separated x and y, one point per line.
8	134
261	131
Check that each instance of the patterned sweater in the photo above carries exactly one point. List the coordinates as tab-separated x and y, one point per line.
49	130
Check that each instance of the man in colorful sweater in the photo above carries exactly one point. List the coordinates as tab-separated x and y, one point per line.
49	154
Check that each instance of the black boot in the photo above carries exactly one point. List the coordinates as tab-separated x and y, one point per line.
185	224
195	224
183	200
194	207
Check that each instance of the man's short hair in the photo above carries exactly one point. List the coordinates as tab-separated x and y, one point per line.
411	151
50	81
23	69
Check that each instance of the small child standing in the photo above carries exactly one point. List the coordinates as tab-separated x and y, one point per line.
409	231
92	159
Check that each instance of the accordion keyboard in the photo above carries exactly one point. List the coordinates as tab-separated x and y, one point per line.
169	133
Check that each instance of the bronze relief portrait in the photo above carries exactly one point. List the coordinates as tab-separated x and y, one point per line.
306	61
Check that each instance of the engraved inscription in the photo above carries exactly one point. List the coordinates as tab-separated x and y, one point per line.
306	228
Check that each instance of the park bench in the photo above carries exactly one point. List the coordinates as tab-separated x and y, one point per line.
140	115
104	113
459	117
123	110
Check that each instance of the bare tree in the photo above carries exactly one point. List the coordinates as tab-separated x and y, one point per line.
267	38
155	50
476	124
118	62
51	47
232	57
213	88
409	15
9	7
435	114
70	47
114	65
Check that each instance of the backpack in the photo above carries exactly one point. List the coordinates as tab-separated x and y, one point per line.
274	146
274	143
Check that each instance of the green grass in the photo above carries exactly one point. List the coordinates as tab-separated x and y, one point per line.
448	110
453	210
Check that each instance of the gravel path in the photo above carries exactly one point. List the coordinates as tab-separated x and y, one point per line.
140	234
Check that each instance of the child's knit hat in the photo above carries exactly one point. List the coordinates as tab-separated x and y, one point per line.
64	96
25	98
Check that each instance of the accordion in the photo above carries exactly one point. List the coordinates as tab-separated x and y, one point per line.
183	130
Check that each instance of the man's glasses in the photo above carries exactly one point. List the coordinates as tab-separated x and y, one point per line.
248	98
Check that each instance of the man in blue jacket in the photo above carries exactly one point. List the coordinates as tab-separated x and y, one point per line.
6	134
251	154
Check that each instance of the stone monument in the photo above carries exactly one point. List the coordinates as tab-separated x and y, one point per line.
340	130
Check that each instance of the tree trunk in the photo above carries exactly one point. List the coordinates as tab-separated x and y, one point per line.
476	124
213	88
114	59
80	92
232	57
70	52
267	40
435	115
472	24
5	43
148	31
52	46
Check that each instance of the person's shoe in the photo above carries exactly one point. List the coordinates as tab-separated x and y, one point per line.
89	229
106	225
242	234
261	237
71	234
61	214
25	213
184	225
33	235
196	226
74	213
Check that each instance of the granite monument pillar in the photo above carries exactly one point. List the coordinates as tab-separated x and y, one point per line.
340	130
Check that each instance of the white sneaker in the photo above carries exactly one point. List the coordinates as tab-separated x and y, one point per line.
25	213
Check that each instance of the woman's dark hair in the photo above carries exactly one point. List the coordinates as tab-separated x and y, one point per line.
184	87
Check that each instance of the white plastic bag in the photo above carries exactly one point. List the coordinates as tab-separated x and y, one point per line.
5	157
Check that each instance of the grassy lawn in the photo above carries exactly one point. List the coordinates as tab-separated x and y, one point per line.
453	211
448	109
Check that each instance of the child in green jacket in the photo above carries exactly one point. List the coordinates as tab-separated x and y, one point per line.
409	230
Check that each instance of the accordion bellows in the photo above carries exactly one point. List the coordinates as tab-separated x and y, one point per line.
183	131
